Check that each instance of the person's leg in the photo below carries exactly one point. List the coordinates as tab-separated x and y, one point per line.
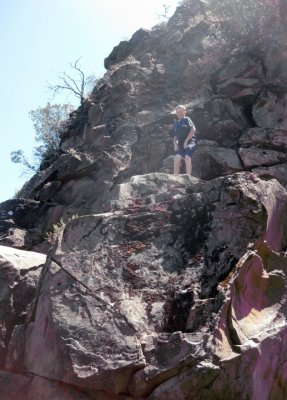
188	165
176	166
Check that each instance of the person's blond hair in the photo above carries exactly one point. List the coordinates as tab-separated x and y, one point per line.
181	106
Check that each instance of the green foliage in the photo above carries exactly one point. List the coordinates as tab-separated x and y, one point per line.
18	157
52	235
49	122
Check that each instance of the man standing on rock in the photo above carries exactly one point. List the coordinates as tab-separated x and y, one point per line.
184	140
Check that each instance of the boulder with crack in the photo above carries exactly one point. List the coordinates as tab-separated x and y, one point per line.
128	302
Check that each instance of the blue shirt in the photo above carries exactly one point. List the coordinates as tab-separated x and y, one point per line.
182	128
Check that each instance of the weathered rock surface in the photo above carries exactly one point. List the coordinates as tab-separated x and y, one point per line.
277	171
131	296
211	161
156	286
275	61
240	79
270	110
29	387
19	275
221	120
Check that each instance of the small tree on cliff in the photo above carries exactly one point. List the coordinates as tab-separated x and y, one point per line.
74	82
52	121
49	122
165	11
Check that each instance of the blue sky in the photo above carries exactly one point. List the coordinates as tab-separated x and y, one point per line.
39	38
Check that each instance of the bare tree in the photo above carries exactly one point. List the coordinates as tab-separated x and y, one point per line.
75	82
165	12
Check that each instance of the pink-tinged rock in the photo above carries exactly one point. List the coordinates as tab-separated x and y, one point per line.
29	387
270	110
251	336
265	138
116	304
240	79
262	201
100	395
255	157
76	337
278	172
19	273
255	312
190	383
255	300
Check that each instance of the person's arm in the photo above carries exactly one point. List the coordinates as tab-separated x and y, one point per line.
189	136
175	145
191	133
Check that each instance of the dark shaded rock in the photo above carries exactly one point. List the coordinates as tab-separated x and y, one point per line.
24	212
125	48
66	166
96	138
48	190
153	145
219	119
211	161
20	222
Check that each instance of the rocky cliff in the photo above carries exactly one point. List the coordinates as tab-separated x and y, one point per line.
121	281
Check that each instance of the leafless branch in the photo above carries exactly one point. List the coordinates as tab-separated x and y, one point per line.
68	82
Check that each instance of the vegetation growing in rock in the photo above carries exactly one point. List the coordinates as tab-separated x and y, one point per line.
52	121
49	123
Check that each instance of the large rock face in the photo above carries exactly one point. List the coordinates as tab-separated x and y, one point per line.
121	281
129	301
